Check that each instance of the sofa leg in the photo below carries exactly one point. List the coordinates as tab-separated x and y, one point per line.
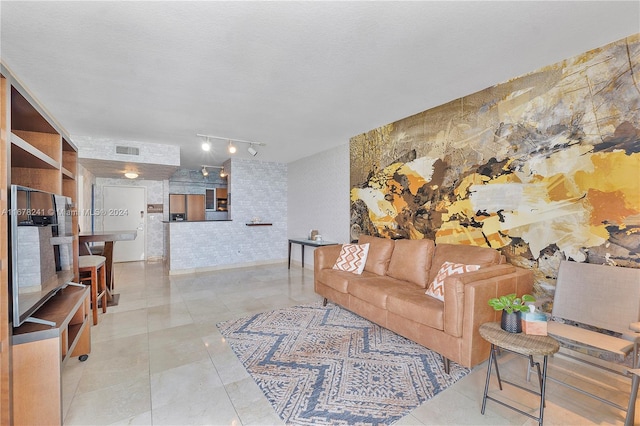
447	364
324	302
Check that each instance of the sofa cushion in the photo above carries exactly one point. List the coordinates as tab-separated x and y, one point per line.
462	253
411	260
411	303
352	258
339	280
375	290
380	250
436	288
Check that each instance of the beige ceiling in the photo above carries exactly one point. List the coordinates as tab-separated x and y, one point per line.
300	77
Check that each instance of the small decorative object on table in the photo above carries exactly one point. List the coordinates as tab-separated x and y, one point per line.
534	323
312	234
512	308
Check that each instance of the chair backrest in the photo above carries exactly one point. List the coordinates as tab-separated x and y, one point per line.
602	296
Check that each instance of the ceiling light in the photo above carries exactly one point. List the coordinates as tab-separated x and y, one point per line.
231	143
205	172
131	175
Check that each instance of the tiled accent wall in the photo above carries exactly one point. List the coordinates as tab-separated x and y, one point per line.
258	189
157	193
186	181
318	198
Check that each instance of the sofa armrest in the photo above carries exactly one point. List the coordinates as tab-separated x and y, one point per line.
325	257
467	295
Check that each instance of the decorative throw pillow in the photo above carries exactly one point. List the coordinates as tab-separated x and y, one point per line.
352	258
436	288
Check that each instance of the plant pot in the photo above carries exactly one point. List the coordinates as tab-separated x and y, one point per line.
511	322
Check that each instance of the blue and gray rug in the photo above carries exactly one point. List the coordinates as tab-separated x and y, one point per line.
326	365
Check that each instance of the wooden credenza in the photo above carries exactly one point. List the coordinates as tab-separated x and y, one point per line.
39	352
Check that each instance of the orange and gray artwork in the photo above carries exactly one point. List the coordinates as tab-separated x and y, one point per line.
543	167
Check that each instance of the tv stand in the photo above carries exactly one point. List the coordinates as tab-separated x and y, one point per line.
40	351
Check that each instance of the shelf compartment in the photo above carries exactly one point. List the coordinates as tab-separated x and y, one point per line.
46	143
25	154
69	160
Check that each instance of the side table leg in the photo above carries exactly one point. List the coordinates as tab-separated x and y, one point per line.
486	383
532	363
495	361
302	245
289	267
542	388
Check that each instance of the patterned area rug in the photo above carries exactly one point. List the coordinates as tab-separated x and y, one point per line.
326	365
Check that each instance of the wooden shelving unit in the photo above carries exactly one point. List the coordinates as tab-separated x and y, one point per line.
40	351
5	325
37	153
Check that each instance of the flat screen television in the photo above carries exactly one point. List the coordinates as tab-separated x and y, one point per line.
41	249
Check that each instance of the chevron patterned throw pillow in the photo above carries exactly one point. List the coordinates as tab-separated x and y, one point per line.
352	258
436	288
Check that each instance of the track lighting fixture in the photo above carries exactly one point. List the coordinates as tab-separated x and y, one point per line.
205	170
231	144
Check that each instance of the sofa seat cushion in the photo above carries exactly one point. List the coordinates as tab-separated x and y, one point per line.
339	280
375	290
411	261
413	304
379	255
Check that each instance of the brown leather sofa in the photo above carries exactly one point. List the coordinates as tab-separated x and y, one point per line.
391	292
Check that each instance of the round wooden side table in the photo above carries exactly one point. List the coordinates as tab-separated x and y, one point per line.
521	344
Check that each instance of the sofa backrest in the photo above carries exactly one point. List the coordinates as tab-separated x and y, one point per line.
380	250
411	261
465	254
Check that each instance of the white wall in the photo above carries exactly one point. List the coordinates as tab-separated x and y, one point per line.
85	180
318	198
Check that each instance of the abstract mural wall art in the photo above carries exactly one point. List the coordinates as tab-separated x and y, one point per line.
543	167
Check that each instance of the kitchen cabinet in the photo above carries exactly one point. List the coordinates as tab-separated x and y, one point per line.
195	207
186	207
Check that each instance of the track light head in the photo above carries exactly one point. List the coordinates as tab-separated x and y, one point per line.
222	174
232	149
252	150
205	172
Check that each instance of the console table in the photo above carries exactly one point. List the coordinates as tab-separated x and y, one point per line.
307	242
521	344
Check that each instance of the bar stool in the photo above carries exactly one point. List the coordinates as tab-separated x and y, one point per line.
95	267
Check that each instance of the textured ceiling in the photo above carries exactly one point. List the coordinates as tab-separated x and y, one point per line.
301	77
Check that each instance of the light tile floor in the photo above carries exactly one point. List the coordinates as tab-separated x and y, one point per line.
158	358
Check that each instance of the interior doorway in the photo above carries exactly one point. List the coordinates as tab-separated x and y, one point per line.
124	208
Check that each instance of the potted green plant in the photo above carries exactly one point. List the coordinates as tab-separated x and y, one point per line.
512	308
